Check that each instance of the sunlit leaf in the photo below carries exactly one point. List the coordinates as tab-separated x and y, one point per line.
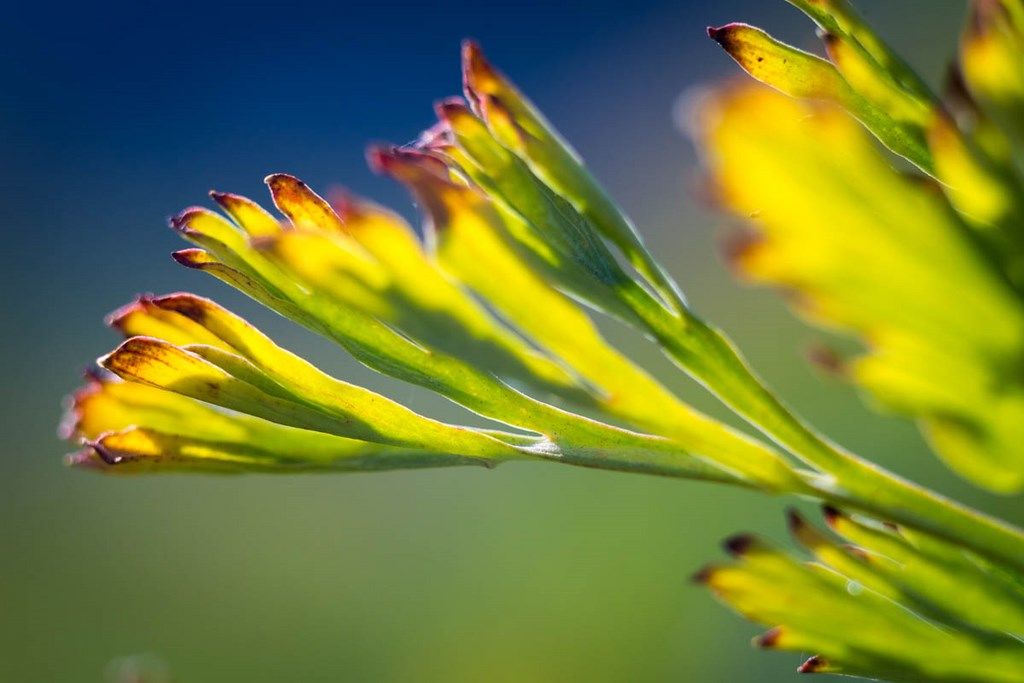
129	427
524	130
851	608
881	255
473	243
803	75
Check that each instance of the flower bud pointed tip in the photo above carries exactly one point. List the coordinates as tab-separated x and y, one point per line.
769	639
740	544
831	514
812	665
703	575
795	521
190	258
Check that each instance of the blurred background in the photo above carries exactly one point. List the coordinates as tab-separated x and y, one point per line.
117	115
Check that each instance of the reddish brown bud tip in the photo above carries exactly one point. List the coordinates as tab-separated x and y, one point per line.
795	521
769	638
185	303
703	575
739	544
180	221
190	258
379	158
437	138
984	16
726	35
346	203
283	181
478	76
831	514
812	665
723	34
116	319
826	359
451	108
227	200
404	163
737	248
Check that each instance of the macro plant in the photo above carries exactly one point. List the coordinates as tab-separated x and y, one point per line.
888	212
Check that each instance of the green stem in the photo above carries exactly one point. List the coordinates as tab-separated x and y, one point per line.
713	360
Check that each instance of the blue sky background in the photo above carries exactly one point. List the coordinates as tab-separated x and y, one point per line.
113	116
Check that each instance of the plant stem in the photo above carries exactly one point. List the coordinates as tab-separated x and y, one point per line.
713	360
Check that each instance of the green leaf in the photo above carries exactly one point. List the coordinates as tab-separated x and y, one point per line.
129	427
883	256
855	626
560	240
279	386
400	286
839	19
474	245
517	123
931	576
800	74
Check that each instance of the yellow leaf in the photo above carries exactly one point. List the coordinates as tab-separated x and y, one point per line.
873	252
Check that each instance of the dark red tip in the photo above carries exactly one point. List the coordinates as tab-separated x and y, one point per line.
723	35
347	204
378	158
402	162
812	665
739	544
826	359
737	246
795	521
769	638
451	107
437	138
188	257
116	318
180	221
703	575
186	304
226	200
474	67
831	514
